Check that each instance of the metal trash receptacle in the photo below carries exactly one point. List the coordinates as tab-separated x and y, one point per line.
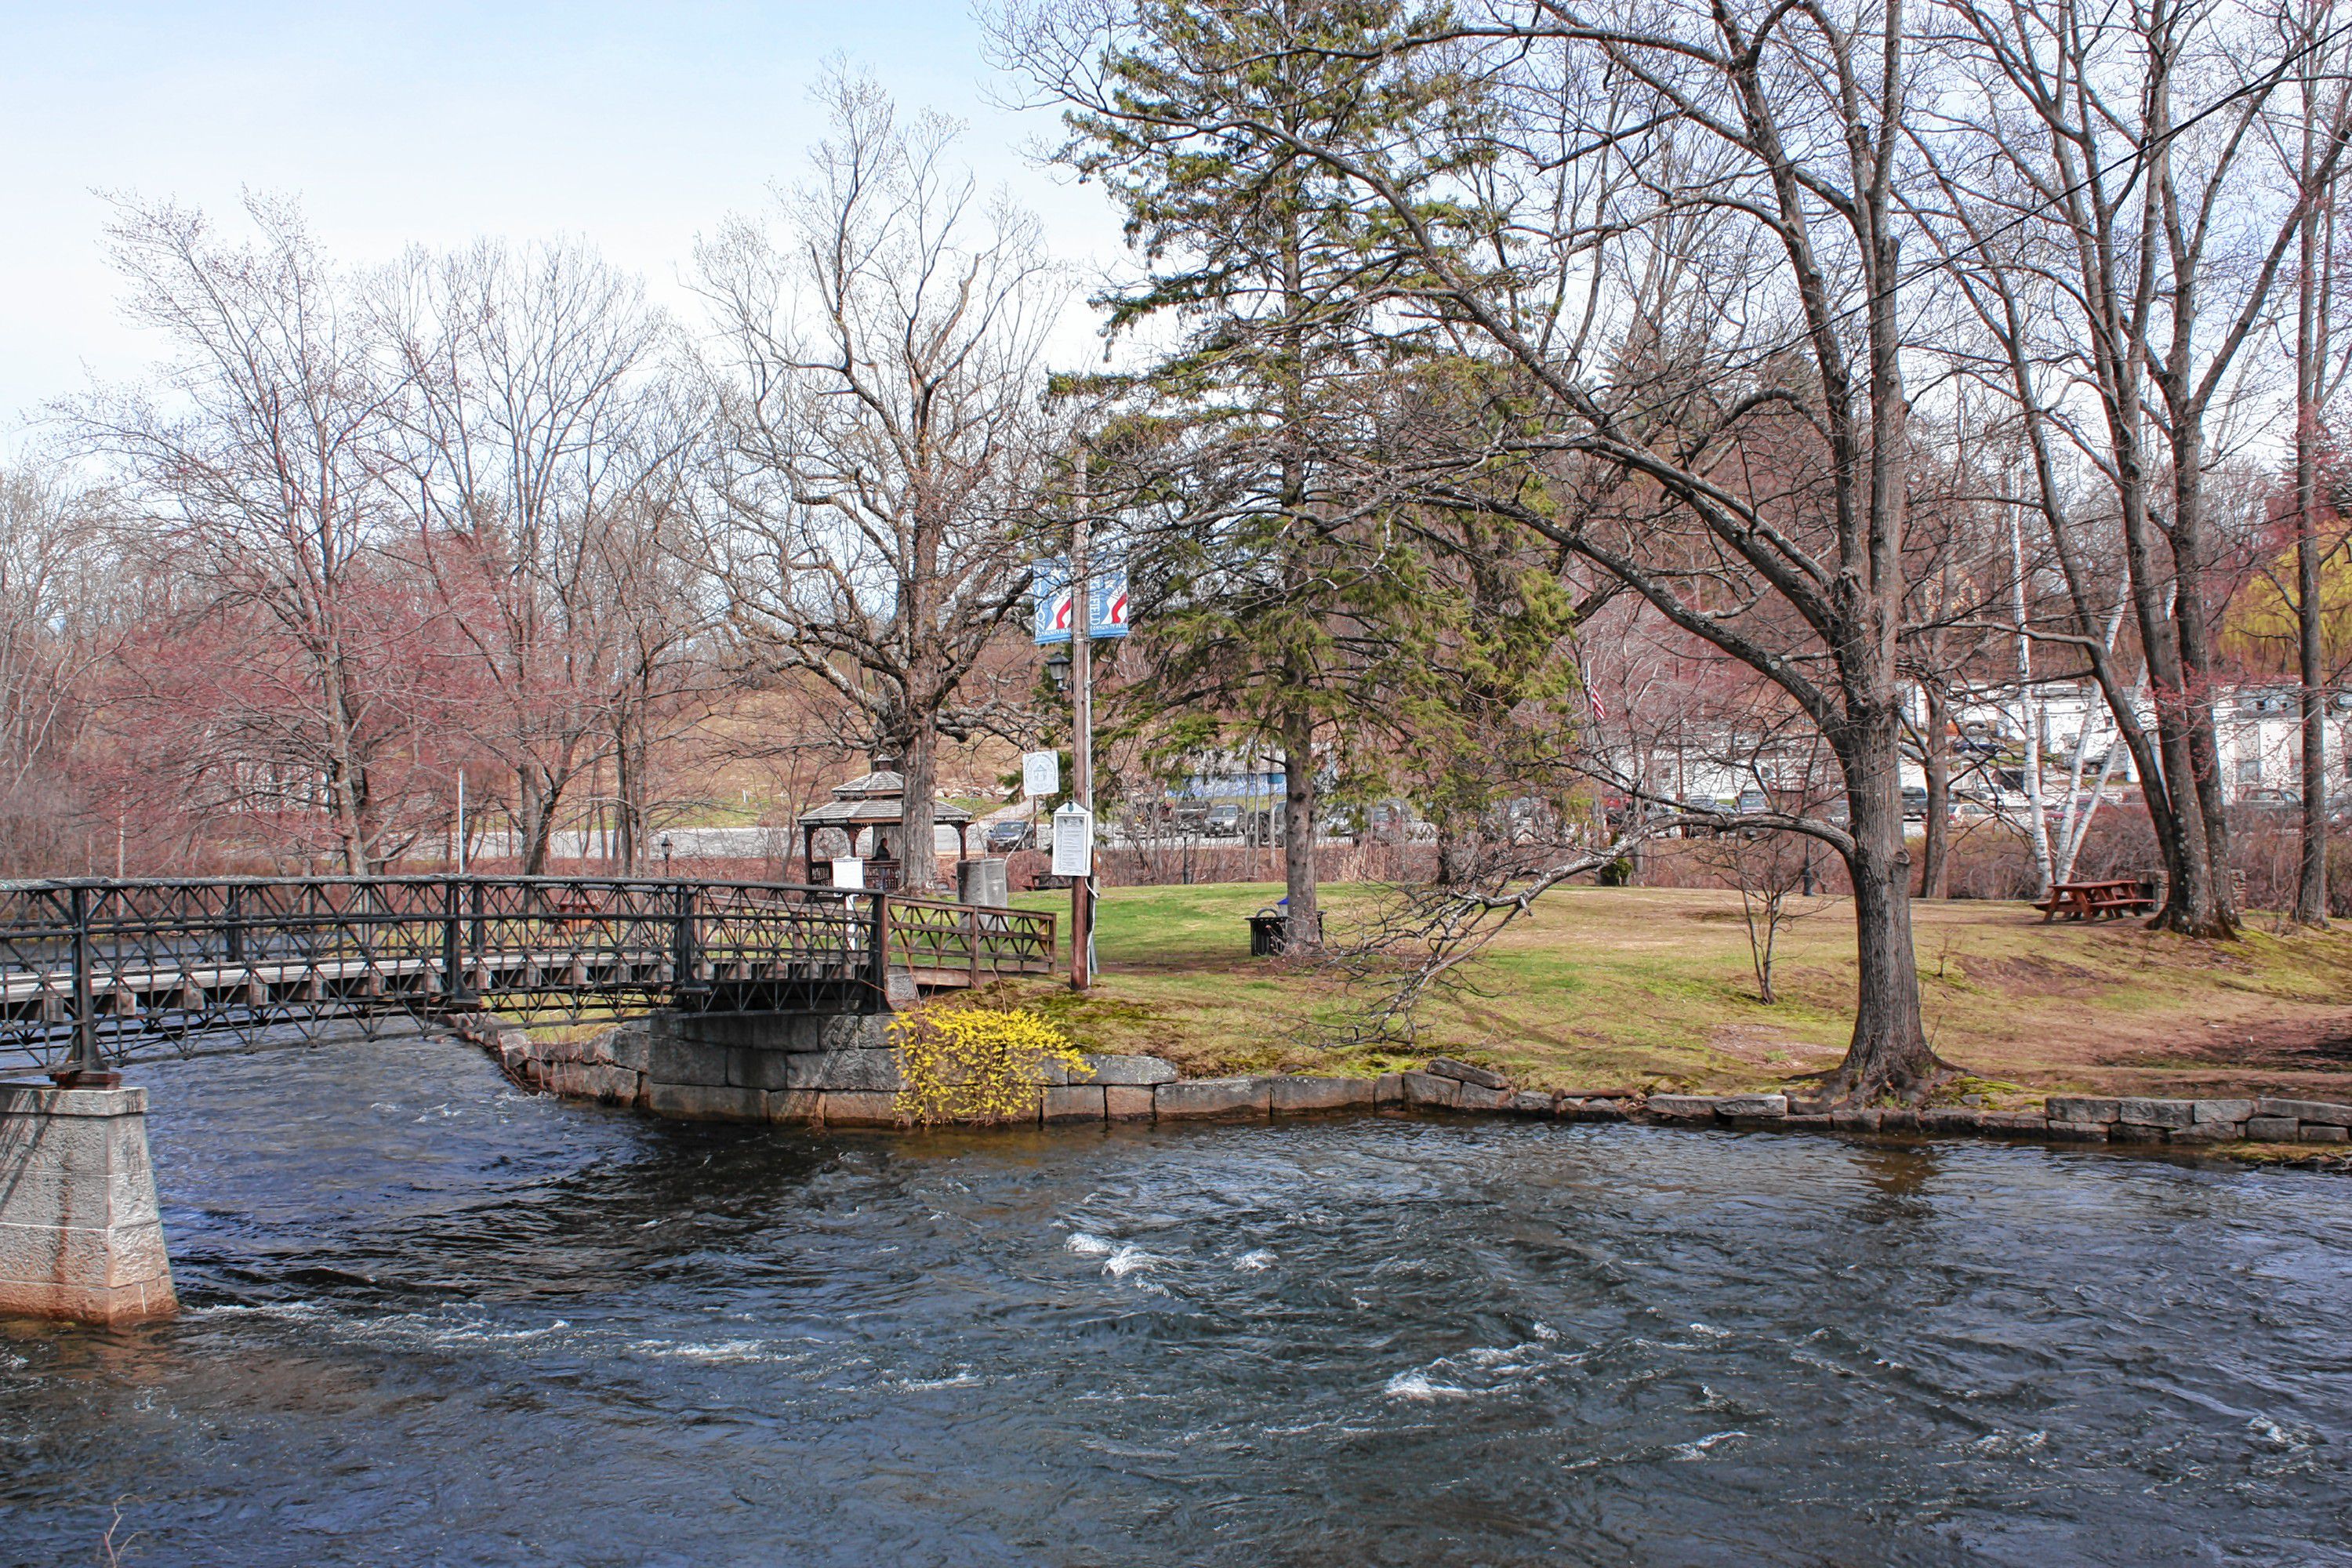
983	882
1270	932
1267	933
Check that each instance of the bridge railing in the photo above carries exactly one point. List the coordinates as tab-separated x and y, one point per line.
938	939
91	968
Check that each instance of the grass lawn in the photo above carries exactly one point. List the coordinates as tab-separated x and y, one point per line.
1652	988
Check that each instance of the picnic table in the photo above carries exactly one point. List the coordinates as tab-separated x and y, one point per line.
2099	900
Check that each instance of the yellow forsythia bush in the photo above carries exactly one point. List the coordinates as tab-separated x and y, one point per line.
974	1064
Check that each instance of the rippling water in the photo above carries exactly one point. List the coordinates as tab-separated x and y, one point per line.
434	1320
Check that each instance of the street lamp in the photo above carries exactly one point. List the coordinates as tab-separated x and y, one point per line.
1075	675
665	849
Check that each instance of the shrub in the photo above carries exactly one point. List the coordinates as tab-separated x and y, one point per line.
964	1062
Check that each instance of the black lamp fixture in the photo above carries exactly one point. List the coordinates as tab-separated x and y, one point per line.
1058	668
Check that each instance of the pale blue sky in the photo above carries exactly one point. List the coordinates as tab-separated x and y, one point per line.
632	125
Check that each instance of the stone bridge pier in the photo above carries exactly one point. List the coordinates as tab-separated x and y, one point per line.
80	1235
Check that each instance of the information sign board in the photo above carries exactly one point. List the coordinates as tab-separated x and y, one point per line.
1074	842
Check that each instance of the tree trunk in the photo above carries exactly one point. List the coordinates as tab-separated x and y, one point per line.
539	802
1934	869
629	793
1457	851
2030	722
346	788
918	765
2311	879
1889	1055
1303	932
2220	915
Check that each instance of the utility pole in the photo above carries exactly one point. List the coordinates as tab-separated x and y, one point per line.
1082	738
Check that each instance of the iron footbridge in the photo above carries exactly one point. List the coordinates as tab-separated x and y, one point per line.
91	972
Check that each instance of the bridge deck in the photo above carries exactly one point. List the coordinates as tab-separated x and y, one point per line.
105	965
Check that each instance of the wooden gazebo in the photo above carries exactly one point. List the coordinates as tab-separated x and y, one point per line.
866	810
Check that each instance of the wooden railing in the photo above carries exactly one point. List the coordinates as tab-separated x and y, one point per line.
936	941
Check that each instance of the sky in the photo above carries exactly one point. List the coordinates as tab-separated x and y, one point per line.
634	127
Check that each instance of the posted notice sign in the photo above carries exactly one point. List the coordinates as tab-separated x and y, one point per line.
1074	842
1041	773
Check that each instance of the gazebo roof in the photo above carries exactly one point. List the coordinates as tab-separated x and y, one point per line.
842	812
870	785
877	799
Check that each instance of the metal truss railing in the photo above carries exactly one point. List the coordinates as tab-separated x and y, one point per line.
92	971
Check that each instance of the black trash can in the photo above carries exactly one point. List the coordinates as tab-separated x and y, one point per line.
1270	932
1267	933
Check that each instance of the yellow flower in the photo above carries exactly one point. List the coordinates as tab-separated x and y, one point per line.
971	1063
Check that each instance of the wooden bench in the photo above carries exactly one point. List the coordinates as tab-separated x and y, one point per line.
2099	900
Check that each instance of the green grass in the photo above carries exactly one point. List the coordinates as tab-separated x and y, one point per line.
1652	988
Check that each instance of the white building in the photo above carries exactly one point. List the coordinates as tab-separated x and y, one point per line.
2258	731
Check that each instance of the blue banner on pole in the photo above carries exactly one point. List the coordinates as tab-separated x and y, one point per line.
1108	611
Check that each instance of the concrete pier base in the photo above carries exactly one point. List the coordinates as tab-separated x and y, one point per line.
80	1235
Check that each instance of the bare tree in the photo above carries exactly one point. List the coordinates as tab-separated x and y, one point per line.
668	670
881	367
1769	869
2321	88
60	623
2107	214
538	461
257	472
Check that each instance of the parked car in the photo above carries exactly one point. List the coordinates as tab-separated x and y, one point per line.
1006	837
1915	801
1392	821
1223	822
1702	802
1981	799
2261	800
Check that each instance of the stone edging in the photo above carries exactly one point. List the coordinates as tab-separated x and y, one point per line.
840	1072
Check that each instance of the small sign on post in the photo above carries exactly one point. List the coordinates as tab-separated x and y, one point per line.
1041	773
1074	842
848	872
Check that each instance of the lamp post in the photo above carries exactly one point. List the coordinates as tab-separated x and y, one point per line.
1082	731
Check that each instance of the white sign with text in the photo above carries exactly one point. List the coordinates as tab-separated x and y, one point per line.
1074	842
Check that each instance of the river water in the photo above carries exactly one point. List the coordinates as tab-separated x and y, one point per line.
432	1320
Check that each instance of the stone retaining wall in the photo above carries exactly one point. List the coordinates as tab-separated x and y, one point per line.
841	1071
